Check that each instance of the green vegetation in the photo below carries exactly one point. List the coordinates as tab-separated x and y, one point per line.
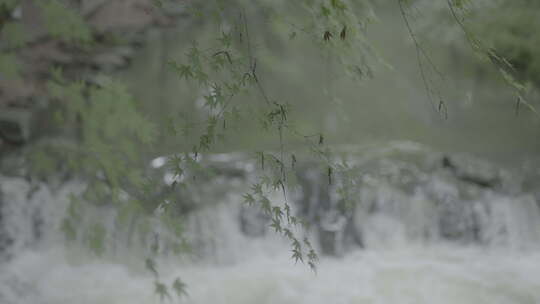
103	134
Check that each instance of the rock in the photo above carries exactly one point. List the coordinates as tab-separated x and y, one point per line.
113	58
476	173
12	164
323	212
15	92
5	240
123	15
33	20
15	125
332	234
45	53
125	51
253	222
109	61
458	221
89	7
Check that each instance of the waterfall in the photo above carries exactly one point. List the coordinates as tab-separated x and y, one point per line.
425	228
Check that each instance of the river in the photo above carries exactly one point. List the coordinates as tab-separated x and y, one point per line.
419	246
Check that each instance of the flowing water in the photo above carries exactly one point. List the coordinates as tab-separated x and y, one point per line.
429	234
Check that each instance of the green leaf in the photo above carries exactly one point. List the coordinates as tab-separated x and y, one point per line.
179	288
277	212
266	205
276	225
185	71
161	290
150	265
257	189
249	199
297	256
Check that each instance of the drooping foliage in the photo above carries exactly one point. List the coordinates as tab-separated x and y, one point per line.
109	138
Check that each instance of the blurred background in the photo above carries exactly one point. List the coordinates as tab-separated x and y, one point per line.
125	172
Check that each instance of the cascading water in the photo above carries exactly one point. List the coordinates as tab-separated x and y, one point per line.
426	228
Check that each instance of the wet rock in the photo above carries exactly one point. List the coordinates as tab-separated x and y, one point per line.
33	19
89	7
458	221
113	59
331	235
109	61
122	15
353	237
315	197
476	173
5	240
15	92
15	125
324	213
45	53
253	222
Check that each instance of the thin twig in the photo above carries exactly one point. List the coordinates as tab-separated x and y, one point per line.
418	53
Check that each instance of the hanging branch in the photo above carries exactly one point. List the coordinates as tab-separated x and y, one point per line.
500	62
421	53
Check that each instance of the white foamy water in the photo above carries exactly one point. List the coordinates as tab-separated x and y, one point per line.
414	275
